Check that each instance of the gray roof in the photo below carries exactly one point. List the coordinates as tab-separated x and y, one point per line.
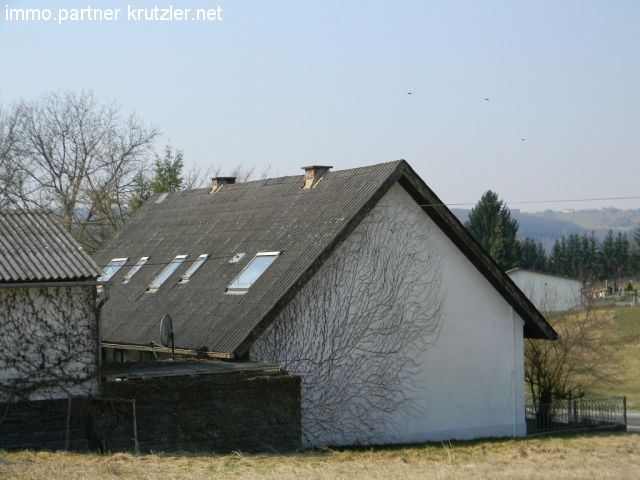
114	371
266	215
564	277
35	248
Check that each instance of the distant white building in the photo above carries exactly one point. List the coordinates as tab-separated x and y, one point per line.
548	292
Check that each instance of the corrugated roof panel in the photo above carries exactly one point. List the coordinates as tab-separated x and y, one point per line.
266	215
35	248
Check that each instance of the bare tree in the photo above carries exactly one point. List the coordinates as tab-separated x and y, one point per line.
48	346
9	178
355	332
584	356
198	177
77	157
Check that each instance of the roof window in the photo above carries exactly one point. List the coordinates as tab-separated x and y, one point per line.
111	269
161	198
256	267
166	273
135	269
194	268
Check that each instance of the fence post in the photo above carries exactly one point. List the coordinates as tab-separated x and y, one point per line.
624	408
68	425
135	429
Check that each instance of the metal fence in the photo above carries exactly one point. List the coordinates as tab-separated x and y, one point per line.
588	413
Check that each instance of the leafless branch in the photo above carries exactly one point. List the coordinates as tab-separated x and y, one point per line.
357	329
48	344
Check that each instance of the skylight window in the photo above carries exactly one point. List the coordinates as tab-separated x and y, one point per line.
193	268
256	267
134	269
111	269
163	196
166	273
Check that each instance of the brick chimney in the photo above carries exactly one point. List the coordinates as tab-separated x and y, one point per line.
313	174
218	182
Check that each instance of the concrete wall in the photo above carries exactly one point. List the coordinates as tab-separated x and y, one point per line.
463	378
549	293
49	342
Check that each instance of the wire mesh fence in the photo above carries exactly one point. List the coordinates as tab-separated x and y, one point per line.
166	407
588	413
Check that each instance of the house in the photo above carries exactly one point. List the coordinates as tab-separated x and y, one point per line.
360	281
549	292
49	344
54	394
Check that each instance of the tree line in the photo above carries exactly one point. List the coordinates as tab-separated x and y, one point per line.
581	256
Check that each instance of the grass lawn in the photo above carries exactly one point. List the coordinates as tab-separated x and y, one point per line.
602	456
627	324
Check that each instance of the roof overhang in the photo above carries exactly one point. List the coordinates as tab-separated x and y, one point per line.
160	349
52	283
535	325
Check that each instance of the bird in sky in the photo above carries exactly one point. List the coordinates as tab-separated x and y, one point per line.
486	99
522	139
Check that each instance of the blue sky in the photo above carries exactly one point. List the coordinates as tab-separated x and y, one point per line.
290	83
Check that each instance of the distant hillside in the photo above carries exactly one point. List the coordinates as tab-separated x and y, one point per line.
602	219
546	226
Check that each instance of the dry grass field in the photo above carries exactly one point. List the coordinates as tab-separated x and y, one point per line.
627	322
603	456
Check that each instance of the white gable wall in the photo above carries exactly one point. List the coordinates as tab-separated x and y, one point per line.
549	293
470	382
49	342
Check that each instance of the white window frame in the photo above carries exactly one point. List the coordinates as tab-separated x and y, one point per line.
231	289
133	270
122	260
166	272
195	266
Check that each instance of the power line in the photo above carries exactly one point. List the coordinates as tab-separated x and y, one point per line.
157	264
530	202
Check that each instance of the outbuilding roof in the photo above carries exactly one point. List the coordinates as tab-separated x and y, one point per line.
555	275
35	248
271	215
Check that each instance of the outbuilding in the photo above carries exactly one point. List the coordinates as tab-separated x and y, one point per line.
50	342
548	292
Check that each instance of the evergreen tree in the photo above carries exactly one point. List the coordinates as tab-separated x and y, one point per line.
558	261
141	191
167	177
531	255
621	262
168	171
574	256
608	256
594	257
541	261
490	223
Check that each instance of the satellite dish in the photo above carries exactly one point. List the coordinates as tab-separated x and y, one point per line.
166	331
